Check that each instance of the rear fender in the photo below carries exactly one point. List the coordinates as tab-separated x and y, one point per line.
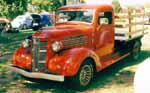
69	61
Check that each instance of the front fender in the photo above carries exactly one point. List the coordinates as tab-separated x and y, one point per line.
68	62
22	58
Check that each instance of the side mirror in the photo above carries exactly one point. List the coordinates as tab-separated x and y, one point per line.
103	21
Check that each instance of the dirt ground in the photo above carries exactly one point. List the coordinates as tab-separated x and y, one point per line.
117	78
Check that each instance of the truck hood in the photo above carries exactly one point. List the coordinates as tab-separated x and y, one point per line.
59	32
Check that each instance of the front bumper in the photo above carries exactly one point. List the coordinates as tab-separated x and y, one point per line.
38	75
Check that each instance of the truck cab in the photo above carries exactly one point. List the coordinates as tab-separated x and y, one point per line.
81	43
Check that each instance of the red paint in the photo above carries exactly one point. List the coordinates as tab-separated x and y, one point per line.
22	59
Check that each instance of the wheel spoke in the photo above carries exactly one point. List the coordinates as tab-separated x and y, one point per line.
86	74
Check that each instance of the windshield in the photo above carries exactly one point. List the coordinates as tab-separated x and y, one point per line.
19	18
75	15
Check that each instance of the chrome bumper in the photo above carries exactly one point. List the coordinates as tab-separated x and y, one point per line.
38	75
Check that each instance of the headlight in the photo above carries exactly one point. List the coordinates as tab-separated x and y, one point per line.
56	46
25	43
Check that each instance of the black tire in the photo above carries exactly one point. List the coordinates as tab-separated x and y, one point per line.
24	27
84	76
35	28
136	50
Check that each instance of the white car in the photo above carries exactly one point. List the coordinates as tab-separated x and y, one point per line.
22	22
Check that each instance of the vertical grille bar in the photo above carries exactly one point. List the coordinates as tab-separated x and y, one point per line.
39	54
35	54
42	56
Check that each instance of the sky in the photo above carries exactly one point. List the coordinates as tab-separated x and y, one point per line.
122	2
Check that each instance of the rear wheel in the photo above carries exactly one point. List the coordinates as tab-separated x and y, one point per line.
136	50
84	75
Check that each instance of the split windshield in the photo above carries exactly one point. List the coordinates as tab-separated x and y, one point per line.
75	15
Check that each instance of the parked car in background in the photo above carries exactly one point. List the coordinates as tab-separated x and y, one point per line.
52	17
46	19
5	25
22	22
36	21
40	20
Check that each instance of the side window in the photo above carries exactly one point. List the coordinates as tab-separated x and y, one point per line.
105	18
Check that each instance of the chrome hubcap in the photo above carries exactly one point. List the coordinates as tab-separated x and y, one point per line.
86	74
136	51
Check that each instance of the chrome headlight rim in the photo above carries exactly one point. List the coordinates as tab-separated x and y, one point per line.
56	46
25	43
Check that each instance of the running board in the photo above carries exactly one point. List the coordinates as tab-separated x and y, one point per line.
113	60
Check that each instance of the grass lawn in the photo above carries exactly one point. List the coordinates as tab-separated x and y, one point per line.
8	44
10	41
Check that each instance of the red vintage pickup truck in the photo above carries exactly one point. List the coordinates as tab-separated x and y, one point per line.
83	41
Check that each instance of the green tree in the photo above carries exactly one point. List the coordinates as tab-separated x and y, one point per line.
48	5
55	4
3	10
116	6
12	8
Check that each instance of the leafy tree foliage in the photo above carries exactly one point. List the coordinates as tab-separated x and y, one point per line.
116	6
48	5
55	4
12	8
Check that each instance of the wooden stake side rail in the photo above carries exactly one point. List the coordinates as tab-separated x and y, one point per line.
129	25
125	25
126	15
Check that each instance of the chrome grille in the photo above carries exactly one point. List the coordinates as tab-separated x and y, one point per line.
42	51
75	41
38	55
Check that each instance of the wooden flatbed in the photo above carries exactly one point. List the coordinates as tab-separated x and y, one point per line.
129	26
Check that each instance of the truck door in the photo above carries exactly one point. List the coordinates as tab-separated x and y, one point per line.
104	36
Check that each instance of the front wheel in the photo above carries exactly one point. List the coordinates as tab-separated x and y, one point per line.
24	27
84	75
136	50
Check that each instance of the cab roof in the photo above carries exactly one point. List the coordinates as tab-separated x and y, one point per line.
86	6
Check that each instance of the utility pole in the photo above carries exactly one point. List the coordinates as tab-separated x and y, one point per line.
64	2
